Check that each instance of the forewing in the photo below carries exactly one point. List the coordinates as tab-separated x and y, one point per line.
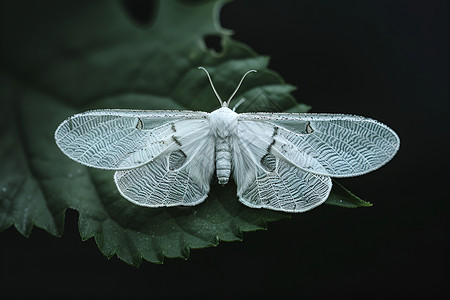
265	179
122	139
331	145
180	177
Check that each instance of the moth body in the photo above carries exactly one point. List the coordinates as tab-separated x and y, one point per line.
223	124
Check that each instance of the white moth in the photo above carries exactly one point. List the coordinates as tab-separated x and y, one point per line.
279	161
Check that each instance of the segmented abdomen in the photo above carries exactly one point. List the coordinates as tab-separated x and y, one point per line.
223	160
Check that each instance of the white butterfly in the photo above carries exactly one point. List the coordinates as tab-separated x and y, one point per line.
279	161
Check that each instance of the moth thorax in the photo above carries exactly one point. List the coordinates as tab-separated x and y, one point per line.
223	160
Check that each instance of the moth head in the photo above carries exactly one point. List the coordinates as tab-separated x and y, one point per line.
225	103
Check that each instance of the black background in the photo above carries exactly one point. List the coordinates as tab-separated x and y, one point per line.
384	59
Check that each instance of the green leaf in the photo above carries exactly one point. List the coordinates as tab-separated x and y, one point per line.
340	196
64	58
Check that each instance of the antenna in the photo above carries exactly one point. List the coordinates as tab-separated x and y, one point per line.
235	91
212	85
239	85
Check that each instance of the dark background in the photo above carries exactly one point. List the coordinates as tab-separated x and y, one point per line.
384	59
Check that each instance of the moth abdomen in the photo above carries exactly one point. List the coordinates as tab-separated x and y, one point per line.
223	160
